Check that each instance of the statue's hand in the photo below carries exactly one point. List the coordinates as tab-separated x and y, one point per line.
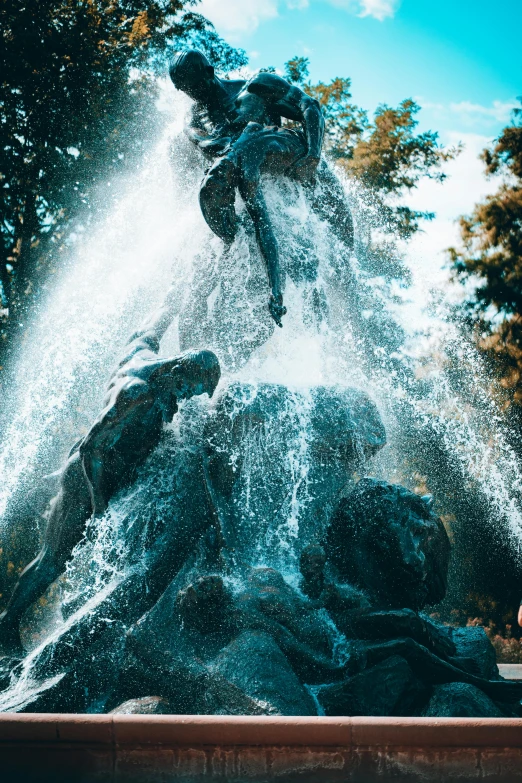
277	308
304	169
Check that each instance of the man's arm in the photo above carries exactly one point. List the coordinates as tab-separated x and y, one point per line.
294	104
161	319
150	333
213	143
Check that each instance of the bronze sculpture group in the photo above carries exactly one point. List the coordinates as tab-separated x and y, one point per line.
237	124
379	559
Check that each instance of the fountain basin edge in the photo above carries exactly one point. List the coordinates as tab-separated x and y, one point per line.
68	748
149	748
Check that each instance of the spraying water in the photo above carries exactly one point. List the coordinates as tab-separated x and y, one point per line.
345	327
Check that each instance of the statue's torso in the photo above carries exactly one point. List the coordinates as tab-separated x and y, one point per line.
135	409
226	122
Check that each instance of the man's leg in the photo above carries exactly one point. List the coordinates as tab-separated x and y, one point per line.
217	198
252	195
270	150
70	509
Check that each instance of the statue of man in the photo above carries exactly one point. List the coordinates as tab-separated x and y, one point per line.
238	124
142	396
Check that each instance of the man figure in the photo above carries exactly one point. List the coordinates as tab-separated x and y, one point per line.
142	396
238	124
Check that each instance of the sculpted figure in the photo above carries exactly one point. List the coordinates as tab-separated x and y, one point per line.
382	524
237	124
142	396
266	604
386	543
266	639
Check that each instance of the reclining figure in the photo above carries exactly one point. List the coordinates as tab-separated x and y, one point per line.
142	395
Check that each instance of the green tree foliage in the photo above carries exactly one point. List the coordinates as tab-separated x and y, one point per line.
491	256
77	97
385	154
296	69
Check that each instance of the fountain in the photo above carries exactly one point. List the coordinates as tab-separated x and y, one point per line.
257	556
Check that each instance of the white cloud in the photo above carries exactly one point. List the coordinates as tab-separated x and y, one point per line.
499	110
234	17
473	114
378	9
465	185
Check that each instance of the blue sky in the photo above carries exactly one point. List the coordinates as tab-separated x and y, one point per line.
460	59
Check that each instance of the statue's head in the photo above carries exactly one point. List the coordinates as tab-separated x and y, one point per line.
195	373
191	72
387	541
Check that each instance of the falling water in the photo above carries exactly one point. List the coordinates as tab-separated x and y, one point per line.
343	328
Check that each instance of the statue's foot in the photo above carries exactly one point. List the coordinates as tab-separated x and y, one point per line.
277	308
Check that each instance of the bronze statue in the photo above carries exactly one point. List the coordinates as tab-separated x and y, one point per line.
390	556
238	125
142	395
381	523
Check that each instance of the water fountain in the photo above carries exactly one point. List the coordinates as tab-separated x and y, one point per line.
248	569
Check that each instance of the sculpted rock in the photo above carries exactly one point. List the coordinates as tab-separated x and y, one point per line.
460	700
190	687
277	460
472	642
147	705
390	688
255	663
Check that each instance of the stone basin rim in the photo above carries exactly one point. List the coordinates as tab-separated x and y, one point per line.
254	731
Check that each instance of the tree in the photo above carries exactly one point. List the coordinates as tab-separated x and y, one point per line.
77	100
296	69
385	155
491	256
